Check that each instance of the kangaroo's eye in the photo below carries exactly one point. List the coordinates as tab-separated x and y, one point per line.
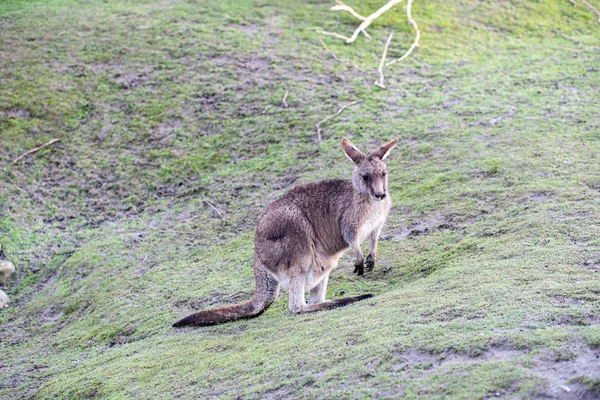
366	178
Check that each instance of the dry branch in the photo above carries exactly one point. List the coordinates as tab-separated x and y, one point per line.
214	209
329	51
336	57
285	104
579	42
342	7
368	20
36	149
416	27
592	8
333	116
380	82
573	2
337	35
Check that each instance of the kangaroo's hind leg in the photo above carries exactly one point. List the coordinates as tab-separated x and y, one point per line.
317	294
297	302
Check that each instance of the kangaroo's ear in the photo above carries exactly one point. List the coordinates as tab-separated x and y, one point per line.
384	150
352	152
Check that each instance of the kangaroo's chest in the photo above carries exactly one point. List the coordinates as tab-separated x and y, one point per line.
373	219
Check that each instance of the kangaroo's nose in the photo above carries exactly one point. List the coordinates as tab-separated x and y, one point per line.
380	196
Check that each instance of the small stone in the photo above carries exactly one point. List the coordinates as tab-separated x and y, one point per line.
6	270
3	300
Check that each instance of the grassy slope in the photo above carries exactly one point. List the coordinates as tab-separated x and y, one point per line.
489	268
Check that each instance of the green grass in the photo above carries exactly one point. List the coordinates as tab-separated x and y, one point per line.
488	272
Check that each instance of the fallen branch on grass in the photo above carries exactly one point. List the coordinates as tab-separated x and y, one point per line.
285	104
368	20
592	8
337	35
336	57
380	82
36	149
342	7
579	42
416	27
318	126
215	209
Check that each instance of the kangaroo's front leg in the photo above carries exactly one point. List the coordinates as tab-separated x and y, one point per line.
373	254
352	240
359	263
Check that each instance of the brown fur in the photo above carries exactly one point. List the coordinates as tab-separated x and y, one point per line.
302	235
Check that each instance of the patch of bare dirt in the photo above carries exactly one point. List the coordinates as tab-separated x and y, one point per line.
592	263
558	375
428	224
14	113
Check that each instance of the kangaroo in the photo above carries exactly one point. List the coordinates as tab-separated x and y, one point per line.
302	235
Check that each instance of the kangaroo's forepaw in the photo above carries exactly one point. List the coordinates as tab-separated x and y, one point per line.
359	268
370	262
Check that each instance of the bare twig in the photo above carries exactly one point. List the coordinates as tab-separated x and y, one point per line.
36	149
342	7
215	209
329	51
368	20
380	82
318	126
592	8
573	2
266	108
285	104
579	42
337	35
336	57
416	27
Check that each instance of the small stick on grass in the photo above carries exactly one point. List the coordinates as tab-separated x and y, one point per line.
334	56
342	7
333	116
337	35
36	149
416	27
266	108
380	82
592	8
579	42
329	51
215	209
285	104
573	2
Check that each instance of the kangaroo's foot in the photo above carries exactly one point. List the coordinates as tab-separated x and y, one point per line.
359	268
331	304
370	262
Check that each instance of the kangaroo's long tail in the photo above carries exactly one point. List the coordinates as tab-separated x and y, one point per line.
267	289
331	304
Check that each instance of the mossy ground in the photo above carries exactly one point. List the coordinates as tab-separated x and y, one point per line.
489	266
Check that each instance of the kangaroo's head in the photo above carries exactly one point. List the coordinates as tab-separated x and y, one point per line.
370	172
